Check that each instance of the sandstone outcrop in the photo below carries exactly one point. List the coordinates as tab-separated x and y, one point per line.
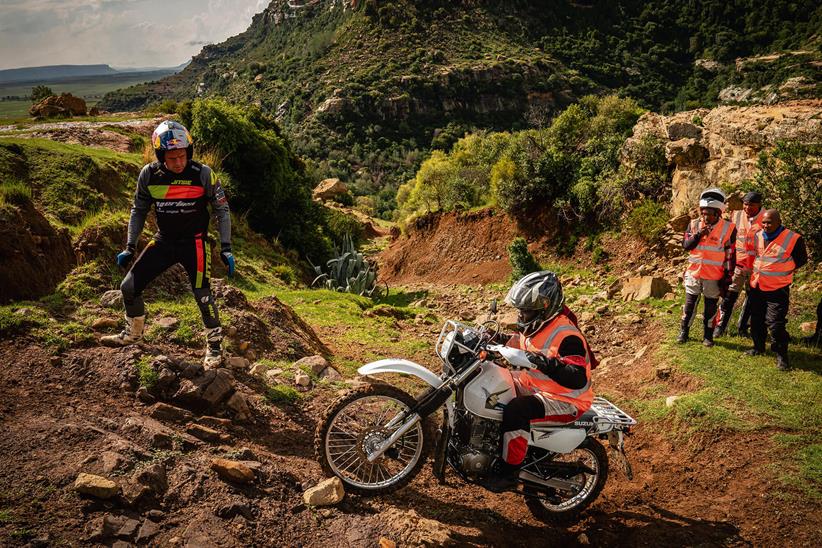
719	147
59	105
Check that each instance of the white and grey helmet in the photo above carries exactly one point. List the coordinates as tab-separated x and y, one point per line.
538	297
713	197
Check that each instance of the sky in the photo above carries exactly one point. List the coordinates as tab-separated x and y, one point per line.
120	33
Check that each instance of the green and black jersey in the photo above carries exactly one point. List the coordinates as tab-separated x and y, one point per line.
180	202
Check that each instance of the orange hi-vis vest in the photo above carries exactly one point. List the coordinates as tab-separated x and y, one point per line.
746	230
546	341
773	266
707	258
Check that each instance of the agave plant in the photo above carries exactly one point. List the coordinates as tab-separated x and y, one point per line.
348	271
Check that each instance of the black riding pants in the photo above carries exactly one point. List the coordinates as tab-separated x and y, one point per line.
769	311
194	254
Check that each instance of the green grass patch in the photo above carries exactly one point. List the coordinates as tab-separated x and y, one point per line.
148	376
20	318
6	516
744	393
282	393
15	192
189	332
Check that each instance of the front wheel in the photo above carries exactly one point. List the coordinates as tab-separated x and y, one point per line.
557	505
354	425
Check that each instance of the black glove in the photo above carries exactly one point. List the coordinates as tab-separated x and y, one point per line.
541	361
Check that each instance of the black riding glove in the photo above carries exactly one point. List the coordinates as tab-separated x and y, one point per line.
542	362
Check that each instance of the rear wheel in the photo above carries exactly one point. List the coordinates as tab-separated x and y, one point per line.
553	504
354	425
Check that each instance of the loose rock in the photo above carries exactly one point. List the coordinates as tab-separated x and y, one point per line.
317	363
112	299
238	362
326	493
96	486
302	379
230	470
104	323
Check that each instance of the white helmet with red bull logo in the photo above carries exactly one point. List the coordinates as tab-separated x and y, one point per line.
171	135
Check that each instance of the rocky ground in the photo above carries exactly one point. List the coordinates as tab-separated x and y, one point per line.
204	459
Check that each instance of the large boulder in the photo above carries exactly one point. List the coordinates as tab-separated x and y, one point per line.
328	189
65	104
645	287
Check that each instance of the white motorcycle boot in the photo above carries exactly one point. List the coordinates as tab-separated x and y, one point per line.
214	352
130	335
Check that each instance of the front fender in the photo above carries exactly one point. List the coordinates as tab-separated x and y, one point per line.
405	367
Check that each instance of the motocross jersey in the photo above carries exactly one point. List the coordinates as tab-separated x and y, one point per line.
180	203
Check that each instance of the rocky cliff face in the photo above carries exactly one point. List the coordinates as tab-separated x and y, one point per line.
719	147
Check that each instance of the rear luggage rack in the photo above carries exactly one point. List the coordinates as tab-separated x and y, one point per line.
608	413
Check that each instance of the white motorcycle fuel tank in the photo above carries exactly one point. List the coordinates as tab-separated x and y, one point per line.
488	393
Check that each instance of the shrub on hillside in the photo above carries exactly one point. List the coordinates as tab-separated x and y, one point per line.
790	177
647	220
38	93
267	181
522	262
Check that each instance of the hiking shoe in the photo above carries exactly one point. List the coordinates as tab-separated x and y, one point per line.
754	352
719	330
782	363
708	343
132	333
683	337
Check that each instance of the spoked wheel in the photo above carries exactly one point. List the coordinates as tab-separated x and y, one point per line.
565	504
355	425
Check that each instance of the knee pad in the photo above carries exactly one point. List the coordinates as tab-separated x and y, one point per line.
127	289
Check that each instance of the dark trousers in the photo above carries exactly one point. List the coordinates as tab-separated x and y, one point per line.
769	310
194	254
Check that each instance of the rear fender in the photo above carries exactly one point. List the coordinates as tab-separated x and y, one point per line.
404	367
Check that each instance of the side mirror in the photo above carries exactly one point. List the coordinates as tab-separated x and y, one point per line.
493	308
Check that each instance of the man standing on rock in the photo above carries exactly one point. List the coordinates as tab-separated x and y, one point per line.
710	241
748	223
180	190
779	252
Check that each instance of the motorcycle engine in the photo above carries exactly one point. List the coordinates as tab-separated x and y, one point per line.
479	443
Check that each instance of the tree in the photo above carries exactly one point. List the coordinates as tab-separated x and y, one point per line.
38	93
790	178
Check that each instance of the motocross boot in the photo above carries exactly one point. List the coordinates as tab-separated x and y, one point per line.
132	333
505	478
707	328
214	351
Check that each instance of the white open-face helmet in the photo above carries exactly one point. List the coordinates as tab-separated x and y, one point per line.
713	197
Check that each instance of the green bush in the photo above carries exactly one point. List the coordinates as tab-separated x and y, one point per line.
268	182
341	225
647	220
790	178
522	262
38	93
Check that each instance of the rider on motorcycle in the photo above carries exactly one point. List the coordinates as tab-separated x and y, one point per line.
558	390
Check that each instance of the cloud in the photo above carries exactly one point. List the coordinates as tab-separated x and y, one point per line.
117	32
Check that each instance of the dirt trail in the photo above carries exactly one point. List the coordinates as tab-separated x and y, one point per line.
57	416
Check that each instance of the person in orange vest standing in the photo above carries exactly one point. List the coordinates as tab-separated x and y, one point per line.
558	389
711	240
779	252
748	221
